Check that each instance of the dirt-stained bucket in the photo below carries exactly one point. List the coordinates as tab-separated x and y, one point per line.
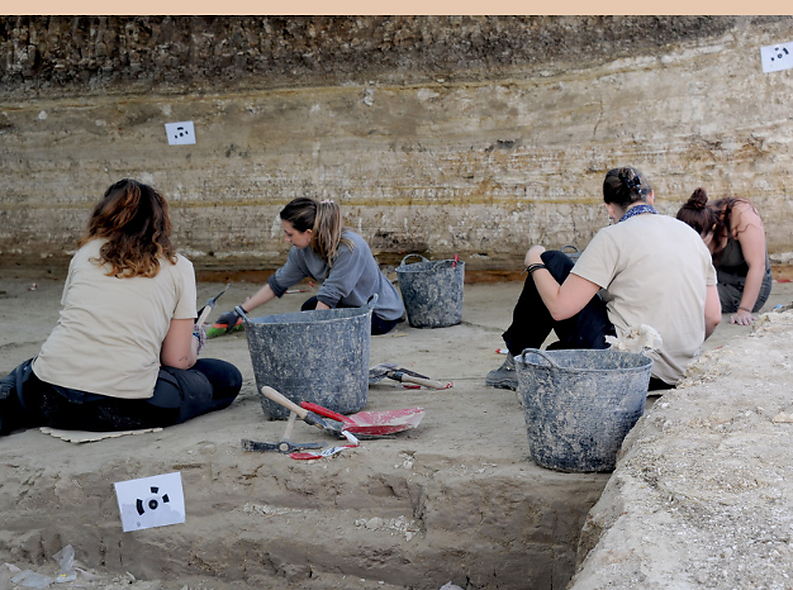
579	404
573	253
319	356
432	291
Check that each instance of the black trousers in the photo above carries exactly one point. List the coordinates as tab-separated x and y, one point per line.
379	325
532	322
179	395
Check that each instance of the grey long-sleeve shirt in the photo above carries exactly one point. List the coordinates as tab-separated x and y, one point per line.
353	279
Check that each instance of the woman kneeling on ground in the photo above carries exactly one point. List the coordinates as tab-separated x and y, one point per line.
734	234
324	250
653	269
123	354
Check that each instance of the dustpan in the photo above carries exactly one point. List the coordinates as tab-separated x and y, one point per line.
375	422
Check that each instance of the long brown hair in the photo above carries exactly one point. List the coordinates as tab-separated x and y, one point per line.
323	219
134	219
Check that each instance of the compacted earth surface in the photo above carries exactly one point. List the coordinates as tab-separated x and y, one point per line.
457	499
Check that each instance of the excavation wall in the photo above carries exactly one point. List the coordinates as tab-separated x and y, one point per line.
475	136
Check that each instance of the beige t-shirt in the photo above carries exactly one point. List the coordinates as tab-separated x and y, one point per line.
656	270
110	330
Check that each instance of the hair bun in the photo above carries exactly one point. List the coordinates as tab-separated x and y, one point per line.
698	199
630	180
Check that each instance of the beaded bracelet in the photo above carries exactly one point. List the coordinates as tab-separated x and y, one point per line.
200	334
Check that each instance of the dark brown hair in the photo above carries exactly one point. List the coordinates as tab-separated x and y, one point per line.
625	186
715	217
134	219
697	214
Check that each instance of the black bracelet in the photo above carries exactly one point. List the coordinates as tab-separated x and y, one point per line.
743	308
535	266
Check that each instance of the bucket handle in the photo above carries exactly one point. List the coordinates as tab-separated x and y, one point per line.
538	352
372	301
409	255
575	249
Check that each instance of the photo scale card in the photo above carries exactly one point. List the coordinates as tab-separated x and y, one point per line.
777	57
151	501
181	133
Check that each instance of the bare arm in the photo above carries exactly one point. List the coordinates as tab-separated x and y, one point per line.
565	300
712	310
180	348
750	234
261	297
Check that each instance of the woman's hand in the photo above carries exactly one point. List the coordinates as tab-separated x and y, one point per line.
533	255
742	317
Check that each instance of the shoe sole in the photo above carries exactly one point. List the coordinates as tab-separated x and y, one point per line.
502	385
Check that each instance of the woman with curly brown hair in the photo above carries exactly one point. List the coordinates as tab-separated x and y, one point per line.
733	232
123	354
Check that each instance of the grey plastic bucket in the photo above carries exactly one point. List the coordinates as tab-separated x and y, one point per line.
579	404
573	253
432	291
319	356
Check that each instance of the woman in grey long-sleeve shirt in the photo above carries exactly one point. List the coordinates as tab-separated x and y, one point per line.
322	249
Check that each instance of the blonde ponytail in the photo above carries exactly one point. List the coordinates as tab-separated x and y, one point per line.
328	229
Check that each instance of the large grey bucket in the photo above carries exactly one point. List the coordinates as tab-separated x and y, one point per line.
432	291
319	356
579	404
573	253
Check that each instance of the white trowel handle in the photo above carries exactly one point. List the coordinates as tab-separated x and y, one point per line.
281	399
405	378
204	315
308	417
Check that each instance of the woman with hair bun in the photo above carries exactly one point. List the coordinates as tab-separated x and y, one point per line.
733	232
324	250
649	269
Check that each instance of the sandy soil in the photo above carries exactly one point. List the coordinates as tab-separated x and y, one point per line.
447	501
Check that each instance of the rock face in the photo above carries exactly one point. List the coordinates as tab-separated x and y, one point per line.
701	497
80	55
438	135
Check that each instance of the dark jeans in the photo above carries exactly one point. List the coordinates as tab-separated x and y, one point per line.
731	288
379	325
179	395
532	322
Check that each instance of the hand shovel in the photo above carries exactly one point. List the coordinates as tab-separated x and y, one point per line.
382	424
390	370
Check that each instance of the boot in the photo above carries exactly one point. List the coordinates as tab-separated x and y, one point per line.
505	377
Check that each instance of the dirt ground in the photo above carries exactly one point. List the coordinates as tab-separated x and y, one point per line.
458	499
